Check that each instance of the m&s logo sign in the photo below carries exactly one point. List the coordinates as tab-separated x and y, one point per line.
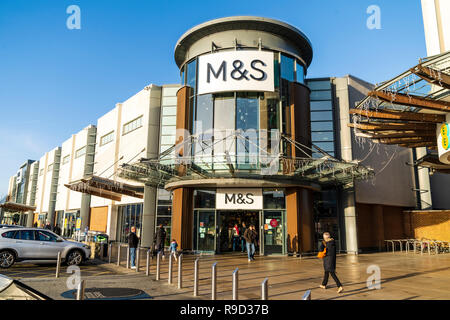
236	71
239	198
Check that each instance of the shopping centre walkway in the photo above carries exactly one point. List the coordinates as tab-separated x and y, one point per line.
403	276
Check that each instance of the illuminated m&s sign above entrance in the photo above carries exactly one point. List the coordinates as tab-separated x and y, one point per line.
236	71
242	198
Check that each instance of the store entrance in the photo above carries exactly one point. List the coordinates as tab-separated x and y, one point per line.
227	240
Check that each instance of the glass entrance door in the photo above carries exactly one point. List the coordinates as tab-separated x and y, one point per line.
205	230
273	232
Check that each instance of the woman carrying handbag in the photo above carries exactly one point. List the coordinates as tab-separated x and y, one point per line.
328	254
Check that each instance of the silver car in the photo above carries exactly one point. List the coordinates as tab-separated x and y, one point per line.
33	244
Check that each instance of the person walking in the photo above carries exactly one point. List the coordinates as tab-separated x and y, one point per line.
48	225
243	229
250	237
235	235
159	240
173	249
133	242
329	261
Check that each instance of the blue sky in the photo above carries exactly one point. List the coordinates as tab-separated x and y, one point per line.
55	81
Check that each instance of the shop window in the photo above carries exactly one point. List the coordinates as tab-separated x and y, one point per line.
274	199
204	199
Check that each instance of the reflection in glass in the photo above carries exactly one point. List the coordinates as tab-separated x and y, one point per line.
247	121
287	68
224	126
300	73
204	199
273	199
191	74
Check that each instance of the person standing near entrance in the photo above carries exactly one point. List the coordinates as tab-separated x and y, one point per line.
133	242
159	240
250	237
236	236
329	261
243	229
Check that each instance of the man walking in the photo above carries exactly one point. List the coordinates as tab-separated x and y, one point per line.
329	261
243	229
133	242
159	240
250	237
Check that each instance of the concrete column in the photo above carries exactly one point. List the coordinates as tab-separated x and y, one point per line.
30	218
424	182
351	236
378	226
148	217
85	210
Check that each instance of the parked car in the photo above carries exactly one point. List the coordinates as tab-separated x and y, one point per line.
8	226
35	244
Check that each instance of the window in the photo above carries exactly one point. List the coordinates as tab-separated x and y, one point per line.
50	167
169	121
322	136
45	236
8	235
41	172
66	159
107	138
169	111
321	115
80	152
132	125
300	73
321	105
191	74
322	126
321	95
287	68
169	101
24	235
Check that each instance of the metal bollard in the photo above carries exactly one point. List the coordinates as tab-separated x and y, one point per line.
118	255
307	295
214	281
80	290
236	284
147	269
169	278
138	259
196	277
265	289
128	257
158	268
180	273
58	265
109	252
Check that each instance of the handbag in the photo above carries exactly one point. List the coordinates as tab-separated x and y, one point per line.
323	253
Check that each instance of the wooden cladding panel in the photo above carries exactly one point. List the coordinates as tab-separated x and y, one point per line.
98	219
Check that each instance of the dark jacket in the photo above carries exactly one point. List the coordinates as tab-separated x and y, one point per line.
329	261
251	236
133	240
160	237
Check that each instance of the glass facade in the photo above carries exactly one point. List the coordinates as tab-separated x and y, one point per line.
326	216
129	215
322	116
164	212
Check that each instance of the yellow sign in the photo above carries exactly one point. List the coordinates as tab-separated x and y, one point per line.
445	136
65	223
78	225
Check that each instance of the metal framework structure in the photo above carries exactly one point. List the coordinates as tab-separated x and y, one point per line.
405	110
172	166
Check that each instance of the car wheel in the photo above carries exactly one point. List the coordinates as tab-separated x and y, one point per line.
7	259
74	257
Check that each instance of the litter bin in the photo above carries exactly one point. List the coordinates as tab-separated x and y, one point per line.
103	239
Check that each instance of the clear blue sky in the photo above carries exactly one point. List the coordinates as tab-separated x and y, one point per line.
55	81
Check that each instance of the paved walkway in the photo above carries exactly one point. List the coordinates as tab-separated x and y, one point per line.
403	276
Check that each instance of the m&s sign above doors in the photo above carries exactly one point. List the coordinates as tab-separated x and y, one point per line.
249	70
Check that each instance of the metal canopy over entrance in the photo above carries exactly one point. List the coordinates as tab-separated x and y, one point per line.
16	207
106	188
405	110
305	171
